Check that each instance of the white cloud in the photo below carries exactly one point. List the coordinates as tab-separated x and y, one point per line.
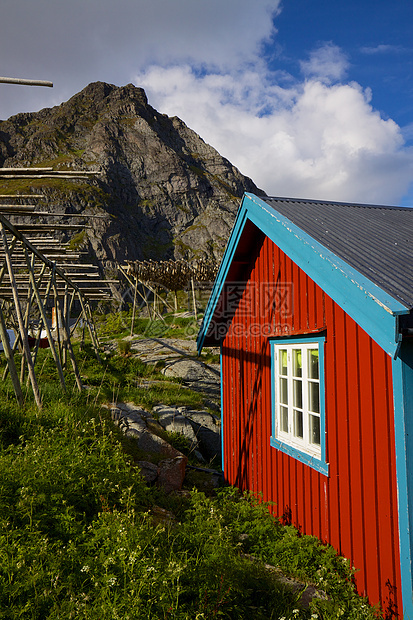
315	140
327	63
382	49
407	132
81	41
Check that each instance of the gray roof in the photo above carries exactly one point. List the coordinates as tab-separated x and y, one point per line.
375	240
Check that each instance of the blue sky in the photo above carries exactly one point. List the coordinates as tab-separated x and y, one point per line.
376	36
310	98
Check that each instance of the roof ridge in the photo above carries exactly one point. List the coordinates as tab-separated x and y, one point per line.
334	202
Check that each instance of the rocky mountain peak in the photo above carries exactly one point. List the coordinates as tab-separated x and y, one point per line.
163	191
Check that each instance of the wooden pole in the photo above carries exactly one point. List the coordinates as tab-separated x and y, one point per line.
4	267
72	299
134	306
46	325
10	361
20	320
18	337
92	335
92	326
37	284
57	329
60	319
22	196
73	328
25	82
139	293
66	323
29	301
18	235
194	298
148	286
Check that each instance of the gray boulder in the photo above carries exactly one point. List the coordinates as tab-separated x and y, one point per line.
186	369
200	427
169	473
207	429
173	421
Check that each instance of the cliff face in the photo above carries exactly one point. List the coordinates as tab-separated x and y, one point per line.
163	191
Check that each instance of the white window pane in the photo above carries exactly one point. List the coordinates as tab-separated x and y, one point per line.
284	419
297	363
298	394
284	391
315	435
312	362
313	397
282	361
298	381
298	424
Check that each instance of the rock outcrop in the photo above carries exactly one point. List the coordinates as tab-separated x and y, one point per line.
162	191
201	429
169	470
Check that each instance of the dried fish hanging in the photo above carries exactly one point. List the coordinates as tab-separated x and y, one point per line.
172	275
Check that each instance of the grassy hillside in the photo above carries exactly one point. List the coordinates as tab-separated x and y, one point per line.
82	536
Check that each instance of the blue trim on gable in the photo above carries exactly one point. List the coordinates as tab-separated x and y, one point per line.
319	464
371	307
403	420
222	411
222	274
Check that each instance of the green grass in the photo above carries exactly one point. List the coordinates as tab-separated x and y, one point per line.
82	536
118	325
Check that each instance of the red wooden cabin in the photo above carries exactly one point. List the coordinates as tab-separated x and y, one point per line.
312	308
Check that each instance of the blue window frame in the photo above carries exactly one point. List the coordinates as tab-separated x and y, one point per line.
298	403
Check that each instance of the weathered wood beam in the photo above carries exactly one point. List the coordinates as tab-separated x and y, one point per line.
10	361
23	196
77	265
134	307
29	301
30	210
25	228
62	324
25	82
89	324
45	176
17	208
20	320
48	170
44	320
46	173
25	170
4	296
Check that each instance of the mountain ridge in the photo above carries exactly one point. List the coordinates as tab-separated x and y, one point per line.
163	191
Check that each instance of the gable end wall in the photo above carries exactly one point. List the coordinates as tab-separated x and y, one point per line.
355	507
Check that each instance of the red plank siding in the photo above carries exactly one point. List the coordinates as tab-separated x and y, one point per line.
354	508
